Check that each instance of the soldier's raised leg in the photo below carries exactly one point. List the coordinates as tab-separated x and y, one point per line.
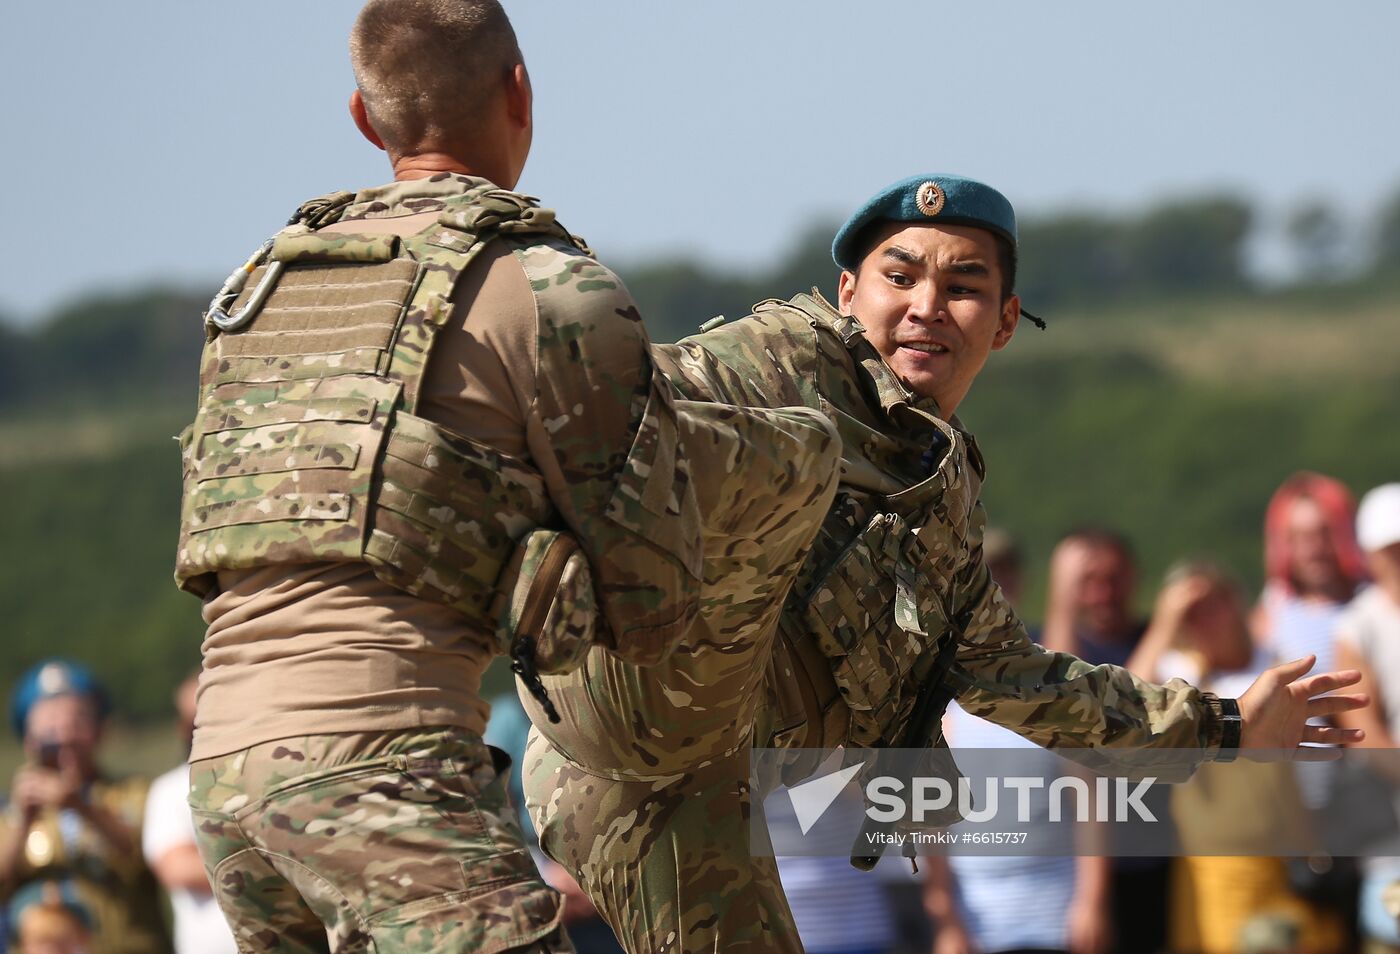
644	758
666	862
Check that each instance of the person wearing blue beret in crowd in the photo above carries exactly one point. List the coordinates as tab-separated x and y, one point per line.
642	788
46	917
67	823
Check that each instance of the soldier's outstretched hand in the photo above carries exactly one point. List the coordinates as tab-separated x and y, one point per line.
1276	707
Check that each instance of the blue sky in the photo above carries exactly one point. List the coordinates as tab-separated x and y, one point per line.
164	139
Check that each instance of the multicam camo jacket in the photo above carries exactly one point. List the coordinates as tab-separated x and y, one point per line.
898	565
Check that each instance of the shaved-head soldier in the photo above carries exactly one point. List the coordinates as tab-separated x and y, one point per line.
405	395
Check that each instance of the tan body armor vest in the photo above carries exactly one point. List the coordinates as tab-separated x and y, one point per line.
307	447
868	618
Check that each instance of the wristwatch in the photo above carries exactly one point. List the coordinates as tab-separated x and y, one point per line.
1226	714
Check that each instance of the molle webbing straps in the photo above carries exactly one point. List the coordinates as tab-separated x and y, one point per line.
446	249
306	447
328	317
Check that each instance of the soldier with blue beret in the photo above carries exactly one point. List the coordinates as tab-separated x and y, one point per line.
642	791
70	824
921	199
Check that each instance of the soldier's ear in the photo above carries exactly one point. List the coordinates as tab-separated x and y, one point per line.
519	96
845	291
1010	317
360	114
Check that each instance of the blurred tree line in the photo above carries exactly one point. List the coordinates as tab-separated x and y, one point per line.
1075	261
1077	425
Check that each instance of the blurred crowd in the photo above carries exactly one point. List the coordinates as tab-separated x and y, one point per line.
92	863
97	864
1332	591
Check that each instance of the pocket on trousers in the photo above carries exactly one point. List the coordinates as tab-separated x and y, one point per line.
390	833
503	903
510	916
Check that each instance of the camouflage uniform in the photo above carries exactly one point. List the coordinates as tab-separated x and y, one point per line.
308	448
393	842
650	816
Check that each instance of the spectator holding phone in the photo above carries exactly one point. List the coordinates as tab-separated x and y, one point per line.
68	823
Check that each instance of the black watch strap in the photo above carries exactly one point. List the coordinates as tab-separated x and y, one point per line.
1226	714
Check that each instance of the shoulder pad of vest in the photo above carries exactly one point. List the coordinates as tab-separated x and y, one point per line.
293	245
794	316
817	312
322	210
848	328
506	213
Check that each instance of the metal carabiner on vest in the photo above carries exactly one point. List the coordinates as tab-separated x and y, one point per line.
218	315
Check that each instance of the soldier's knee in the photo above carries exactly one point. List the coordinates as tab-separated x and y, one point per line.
789	492
815	454
755	468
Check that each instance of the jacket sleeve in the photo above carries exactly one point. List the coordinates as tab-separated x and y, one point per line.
603	431
1055	699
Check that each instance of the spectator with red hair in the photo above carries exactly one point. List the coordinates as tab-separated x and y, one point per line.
1313	567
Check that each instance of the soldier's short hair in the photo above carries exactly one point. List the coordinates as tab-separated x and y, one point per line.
428	69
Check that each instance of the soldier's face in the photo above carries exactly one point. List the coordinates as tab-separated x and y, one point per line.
930	300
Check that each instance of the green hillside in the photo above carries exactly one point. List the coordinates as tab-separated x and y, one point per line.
1170	416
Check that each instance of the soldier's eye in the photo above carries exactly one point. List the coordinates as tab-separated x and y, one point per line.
900	279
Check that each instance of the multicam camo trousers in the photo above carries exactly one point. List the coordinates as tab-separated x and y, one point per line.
642	791
383	842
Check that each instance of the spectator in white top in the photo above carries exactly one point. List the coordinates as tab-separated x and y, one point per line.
167	840
1368	639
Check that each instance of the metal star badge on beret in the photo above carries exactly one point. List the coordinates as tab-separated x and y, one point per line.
930	198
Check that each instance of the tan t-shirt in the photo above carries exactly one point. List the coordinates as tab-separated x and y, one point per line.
318	648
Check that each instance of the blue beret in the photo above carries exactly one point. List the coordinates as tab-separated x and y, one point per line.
52	894
933	199
54	677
